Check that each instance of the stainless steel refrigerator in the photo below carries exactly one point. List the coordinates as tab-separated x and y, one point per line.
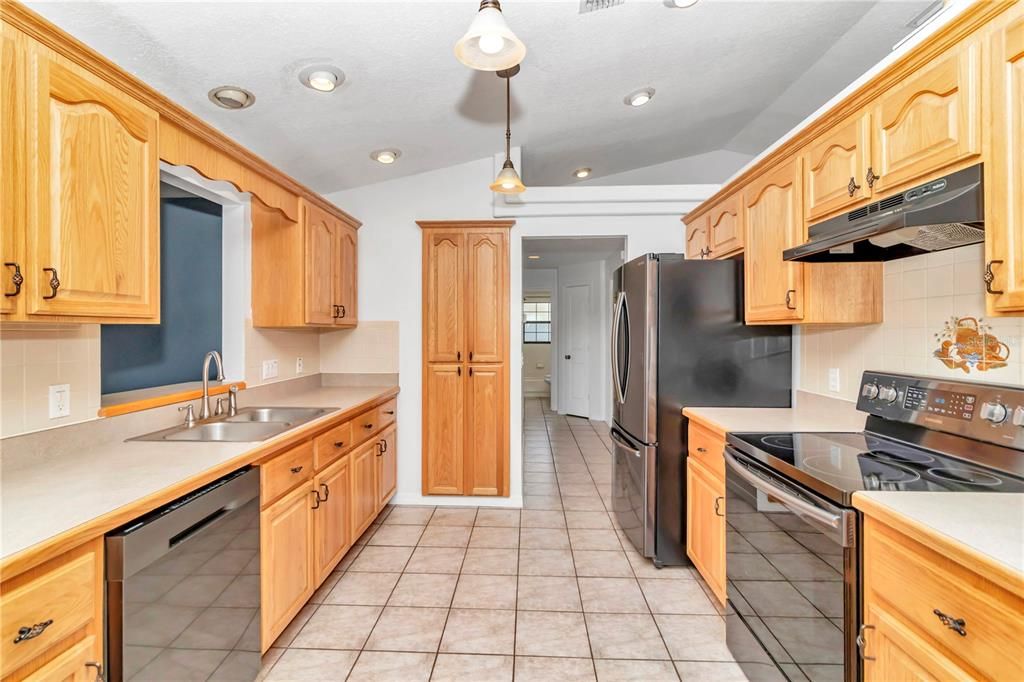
678	340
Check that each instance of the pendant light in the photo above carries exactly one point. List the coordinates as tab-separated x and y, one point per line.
489	44
508	181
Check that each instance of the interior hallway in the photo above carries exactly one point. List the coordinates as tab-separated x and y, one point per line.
549	593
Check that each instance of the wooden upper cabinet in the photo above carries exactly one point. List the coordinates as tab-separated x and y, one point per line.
486	465
834	168
697	239
94	234
443	296
443	430
346	282
724	232
13	178
487	296
1004	176
930	121
773	222
321	247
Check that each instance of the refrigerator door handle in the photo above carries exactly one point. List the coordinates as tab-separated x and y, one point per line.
623	444
620	303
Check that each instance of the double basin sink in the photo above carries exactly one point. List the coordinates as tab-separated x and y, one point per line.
248	425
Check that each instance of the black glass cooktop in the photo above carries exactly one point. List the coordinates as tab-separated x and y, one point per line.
839	464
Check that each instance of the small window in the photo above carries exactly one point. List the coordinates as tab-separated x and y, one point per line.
537	322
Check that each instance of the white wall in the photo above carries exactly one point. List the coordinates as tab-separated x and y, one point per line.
713	166
541	281
390	284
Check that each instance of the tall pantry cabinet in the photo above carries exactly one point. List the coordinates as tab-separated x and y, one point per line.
465	357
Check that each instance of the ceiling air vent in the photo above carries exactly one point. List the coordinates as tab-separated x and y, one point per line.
595	5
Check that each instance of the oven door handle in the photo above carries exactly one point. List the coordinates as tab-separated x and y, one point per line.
799	506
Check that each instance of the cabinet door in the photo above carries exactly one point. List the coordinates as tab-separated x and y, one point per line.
94	241
443	420
14	178
834	167
486	453
332	522
78	663
443	304
364	487
930	121
321	246
387	467
724	232
1004	196
486	296
894	651
773	222
286	560
346	282
697	238
705	525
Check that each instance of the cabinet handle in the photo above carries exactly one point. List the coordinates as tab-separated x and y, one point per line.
862	643
458	371
471	356
384	446
334	315
789	299
871	178
389	411
99	669
368	426
458	356
327	492
342	309
16	279
380	448
470	371
702	449
339	443
991	277
297	469
718	508
26	633
852	187
54	282
957	625
316	498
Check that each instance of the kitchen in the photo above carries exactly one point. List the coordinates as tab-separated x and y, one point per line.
179	519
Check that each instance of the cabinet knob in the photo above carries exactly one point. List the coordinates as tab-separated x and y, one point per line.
368	426
17	279
339	443
991	277
54	282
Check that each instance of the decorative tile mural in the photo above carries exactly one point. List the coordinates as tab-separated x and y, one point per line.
967	343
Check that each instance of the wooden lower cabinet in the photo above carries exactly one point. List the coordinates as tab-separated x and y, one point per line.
288	577
387	466
332	517
705	524
79	663
895	652
364	487
486	451
443	430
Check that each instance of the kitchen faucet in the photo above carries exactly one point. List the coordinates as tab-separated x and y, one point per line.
204	410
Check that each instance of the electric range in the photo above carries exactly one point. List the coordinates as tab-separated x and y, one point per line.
793	536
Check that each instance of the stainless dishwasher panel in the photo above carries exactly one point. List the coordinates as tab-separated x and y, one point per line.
183	587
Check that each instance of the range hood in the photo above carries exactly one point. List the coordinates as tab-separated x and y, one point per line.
940	214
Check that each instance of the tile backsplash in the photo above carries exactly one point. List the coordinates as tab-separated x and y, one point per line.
370	348
283	345
924	295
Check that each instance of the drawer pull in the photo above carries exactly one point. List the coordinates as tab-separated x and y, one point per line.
368	426
27	633
862	643
958	625
702	449
389	411
297	469
339	443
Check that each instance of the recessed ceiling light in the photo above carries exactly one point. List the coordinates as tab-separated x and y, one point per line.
322	78
640	97
581	172
683	4
232	97
533	257
385	156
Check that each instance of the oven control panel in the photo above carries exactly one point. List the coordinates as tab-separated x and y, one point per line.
988	412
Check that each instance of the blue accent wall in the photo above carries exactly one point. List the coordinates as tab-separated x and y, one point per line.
191	274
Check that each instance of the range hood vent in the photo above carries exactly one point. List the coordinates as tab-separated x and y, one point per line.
941	214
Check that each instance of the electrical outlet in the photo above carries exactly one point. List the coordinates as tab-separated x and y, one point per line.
833	379
269	369
298	365
60	401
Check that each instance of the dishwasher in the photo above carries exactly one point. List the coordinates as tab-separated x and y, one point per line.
183	587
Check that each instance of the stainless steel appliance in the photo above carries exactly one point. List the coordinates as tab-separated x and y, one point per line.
678	340
183	587
941	214
793	536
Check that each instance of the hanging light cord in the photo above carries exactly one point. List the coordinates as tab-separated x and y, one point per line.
508	118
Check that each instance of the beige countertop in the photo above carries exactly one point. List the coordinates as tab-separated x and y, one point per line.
49	486
811	413
988	524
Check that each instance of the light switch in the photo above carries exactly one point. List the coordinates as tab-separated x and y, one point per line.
60	401
833	379
298	365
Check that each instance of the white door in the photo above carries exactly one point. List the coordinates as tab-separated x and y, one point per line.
575	347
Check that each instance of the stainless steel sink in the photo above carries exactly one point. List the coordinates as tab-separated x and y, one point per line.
249	425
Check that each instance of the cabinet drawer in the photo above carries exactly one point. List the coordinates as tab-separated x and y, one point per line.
707	447
329	446
386	413
286	471
65	597
365	425
914	582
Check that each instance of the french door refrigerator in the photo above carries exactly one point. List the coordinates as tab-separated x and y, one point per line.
678	340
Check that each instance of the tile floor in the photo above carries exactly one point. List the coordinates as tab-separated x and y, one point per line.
551	592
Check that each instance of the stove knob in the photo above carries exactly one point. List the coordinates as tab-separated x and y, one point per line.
887	393
994	412
870	391
1018	416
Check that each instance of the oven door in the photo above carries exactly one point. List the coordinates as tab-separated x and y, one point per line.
792	577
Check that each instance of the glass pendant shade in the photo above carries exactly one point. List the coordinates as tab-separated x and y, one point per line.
508	181
489	44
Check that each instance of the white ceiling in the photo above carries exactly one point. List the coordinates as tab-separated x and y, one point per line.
556	252
728	75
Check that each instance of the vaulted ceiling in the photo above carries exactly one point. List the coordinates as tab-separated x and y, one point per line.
728	75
